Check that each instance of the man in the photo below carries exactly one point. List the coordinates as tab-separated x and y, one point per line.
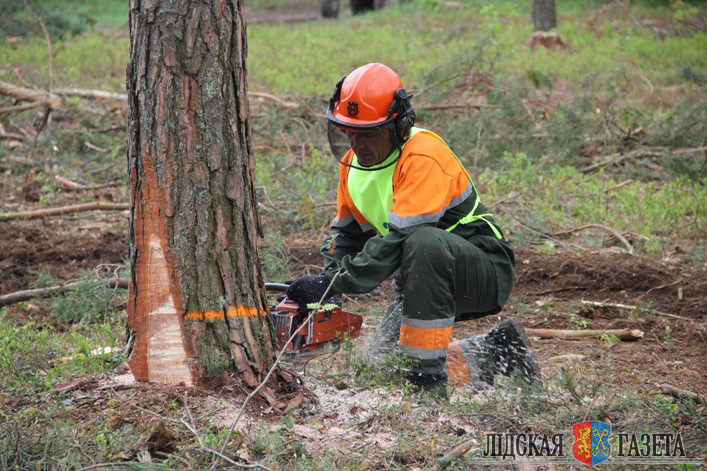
406	203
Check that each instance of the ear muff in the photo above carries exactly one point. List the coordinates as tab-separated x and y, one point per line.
405	114
336	95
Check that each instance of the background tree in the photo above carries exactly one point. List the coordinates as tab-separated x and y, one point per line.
544	15
196	303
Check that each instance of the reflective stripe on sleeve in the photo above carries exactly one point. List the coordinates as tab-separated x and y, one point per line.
343	222
406	221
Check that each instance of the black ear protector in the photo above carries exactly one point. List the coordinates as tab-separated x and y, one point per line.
404	114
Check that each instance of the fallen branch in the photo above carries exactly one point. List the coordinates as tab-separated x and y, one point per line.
85	93
671	390
42	98
75	208
70	185
622	334
623	240
456	453
26	295
267	96
10	136
633	308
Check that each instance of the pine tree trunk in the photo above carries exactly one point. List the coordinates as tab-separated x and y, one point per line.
196	301
544	15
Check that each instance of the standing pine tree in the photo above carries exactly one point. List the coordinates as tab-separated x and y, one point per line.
197	303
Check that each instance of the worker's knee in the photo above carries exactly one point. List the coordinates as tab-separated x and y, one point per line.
427	242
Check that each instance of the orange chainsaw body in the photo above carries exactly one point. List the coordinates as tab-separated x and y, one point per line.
322	333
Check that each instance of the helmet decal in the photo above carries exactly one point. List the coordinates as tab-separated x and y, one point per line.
352	109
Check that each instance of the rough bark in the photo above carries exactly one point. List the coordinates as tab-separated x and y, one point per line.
196	301
544	15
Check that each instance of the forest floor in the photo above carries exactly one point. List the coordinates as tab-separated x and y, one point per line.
369	418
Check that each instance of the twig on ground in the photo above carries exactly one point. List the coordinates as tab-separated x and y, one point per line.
622	334
267	96
639	153
621	238
11	136
75	208
456	453
272	369
616	187
559	290
671	390
26	295
656	288
84	93
633	308
66	184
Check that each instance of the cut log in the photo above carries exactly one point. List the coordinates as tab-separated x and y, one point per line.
26	295
622	334
75	208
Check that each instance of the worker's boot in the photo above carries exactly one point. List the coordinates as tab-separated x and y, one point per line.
433	385
503	350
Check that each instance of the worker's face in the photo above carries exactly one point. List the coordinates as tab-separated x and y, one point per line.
370	147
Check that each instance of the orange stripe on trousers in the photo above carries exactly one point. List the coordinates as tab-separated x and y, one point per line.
425	339
457	367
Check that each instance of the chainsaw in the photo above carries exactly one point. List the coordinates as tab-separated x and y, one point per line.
323	333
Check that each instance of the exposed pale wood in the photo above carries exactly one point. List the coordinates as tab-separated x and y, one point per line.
622	334
25	295
74	208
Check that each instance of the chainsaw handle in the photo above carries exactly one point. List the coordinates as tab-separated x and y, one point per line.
282	287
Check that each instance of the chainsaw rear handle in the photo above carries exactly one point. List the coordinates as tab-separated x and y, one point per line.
281	287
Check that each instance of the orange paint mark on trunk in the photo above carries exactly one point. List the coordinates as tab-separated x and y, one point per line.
231	312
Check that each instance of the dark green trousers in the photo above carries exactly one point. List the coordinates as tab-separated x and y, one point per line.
443	277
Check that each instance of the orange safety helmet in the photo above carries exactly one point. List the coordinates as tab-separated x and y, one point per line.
369	98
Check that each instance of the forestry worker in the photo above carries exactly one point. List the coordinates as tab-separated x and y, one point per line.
405	203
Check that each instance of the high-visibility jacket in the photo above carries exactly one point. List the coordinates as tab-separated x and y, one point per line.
378	210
